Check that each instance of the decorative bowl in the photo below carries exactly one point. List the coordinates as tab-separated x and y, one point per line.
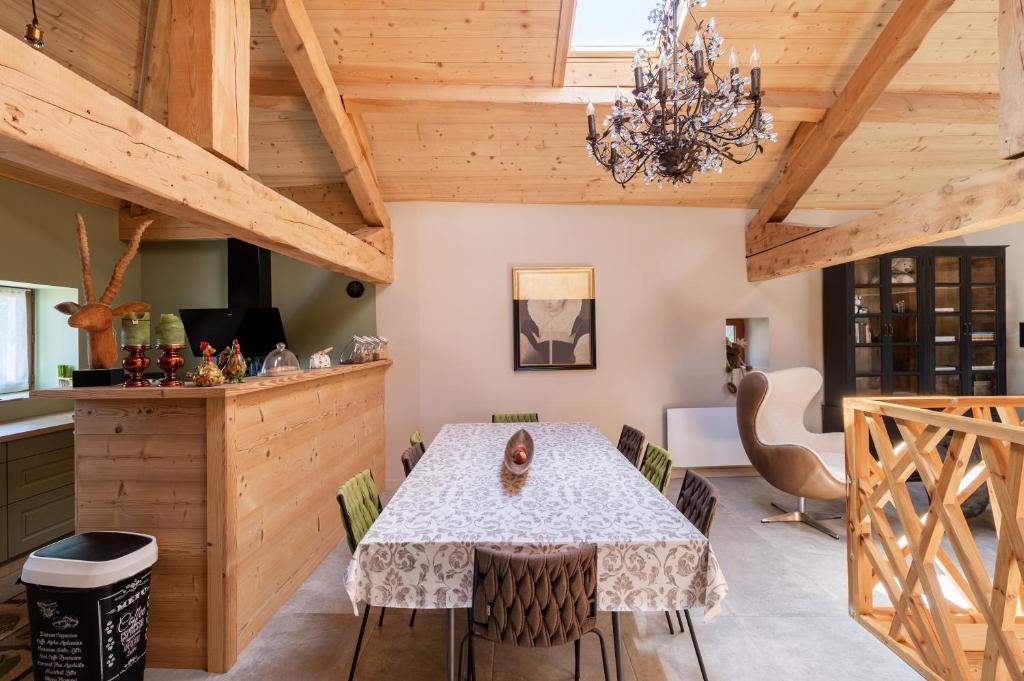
519	452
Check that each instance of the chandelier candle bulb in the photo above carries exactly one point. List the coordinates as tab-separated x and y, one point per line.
591	122
734	62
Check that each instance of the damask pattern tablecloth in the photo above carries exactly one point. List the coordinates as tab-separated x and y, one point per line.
579	489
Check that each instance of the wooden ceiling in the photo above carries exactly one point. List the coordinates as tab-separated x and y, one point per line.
508	152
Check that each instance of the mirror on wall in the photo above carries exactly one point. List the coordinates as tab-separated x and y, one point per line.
746	348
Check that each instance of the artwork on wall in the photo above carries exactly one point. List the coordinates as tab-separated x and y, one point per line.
553	318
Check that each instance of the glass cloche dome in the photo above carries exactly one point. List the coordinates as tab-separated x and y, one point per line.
280	361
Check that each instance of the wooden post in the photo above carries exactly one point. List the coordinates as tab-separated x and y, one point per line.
208	91
1011	77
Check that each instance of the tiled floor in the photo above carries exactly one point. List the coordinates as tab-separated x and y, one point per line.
785	618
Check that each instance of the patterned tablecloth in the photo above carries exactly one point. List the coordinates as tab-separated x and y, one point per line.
579	489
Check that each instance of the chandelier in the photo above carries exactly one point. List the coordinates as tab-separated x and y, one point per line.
683	117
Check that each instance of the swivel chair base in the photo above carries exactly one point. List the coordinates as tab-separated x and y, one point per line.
800	515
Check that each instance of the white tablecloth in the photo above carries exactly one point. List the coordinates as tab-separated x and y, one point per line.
579	489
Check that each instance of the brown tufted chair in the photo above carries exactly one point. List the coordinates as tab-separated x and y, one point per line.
698	500
411	456
631	444
534	600
770	414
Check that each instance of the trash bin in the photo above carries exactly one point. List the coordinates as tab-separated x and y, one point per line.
88	606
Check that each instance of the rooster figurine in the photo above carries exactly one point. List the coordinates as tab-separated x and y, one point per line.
234	366
207	374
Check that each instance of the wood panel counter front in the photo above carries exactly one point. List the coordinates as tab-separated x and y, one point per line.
236	482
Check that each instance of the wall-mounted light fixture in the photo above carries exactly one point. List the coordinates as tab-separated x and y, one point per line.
33	33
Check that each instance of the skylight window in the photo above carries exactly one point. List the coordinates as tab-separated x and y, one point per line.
611	25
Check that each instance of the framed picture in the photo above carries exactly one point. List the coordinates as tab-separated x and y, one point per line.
553	318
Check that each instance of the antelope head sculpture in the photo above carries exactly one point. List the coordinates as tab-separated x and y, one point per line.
96	317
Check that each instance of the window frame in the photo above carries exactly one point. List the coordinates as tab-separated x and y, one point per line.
30	344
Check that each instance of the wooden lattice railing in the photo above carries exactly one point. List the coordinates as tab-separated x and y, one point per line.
917	579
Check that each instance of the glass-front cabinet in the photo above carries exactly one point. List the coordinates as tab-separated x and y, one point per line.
917	322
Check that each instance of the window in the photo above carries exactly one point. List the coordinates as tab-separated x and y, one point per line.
15	340
611	25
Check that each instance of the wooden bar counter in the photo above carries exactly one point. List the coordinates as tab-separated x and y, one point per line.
236	482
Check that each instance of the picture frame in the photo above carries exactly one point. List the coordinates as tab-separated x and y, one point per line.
554	324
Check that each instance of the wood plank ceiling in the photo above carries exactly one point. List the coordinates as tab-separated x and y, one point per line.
535	153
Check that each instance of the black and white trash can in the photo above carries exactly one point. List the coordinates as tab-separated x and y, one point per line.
88	606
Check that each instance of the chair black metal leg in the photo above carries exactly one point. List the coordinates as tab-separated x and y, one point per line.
604	654
471	655
576	668
696	648
380	622
617	645
462	644
412	620
680	619
359	642
668	618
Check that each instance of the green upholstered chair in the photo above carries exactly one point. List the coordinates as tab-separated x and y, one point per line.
515	418
360	504
657	467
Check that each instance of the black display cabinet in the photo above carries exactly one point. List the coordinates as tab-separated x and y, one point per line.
924	321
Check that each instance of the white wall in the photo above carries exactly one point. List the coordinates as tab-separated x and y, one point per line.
667	278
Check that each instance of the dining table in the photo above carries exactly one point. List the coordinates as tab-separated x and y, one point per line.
578	490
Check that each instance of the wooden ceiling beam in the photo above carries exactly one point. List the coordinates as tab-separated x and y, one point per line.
984	201
332	202
786	105
208	68
1011	77
566	18
155	70
57	123
301	46
897	43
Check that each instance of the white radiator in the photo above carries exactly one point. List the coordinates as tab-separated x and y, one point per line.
704	437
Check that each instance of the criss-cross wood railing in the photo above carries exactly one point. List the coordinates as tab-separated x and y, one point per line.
917	579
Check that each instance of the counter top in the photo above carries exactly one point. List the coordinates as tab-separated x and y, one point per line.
37	425
191	391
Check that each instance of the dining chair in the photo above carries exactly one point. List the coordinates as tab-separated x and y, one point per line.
698	500
411	456
631	444
360	504
657	466
515	418
534	601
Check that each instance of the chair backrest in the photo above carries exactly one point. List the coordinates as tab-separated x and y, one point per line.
535	600
657	466
631	443
360	506
515	418
411	456
770	417
698	499
781	417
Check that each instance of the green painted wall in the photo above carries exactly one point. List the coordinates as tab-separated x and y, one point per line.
40	248
316	310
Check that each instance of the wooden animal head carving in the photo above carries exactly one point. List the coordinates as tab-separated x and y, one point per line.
96	317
